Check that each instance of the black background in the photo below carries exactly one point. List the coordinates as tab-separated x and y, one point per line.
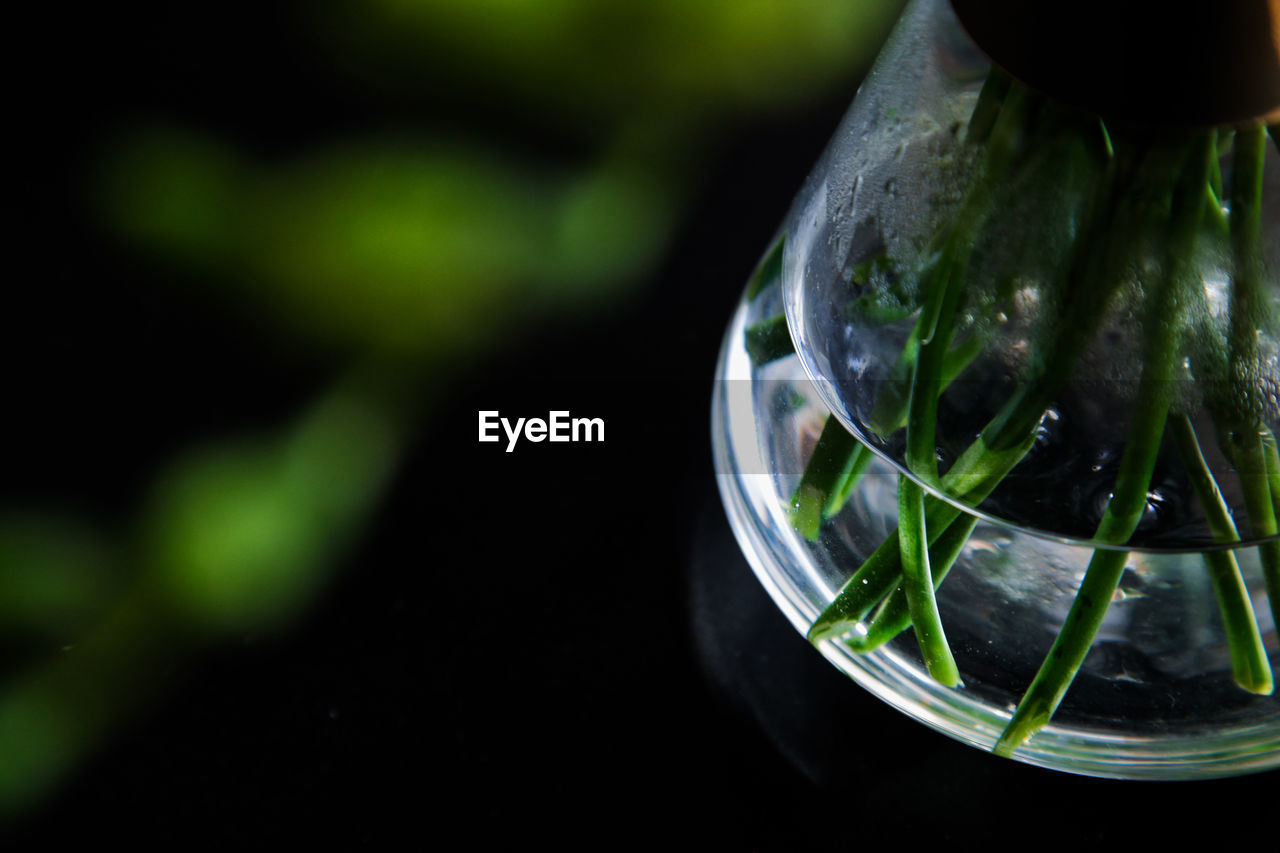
558	644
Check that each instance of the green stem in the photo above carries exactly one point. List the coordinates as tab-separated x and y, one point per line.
835	459
1161	361
935	332
994	90
1249	662
1248	301
1089	282
1272	456
927	362
1258	470
1249	314
1270	551
941	364
1068	652
833	497
1213	190
981	471
932	334
890	411
1107	145
926	381
959	357
917	583
1217	216
921	458
769	340
1215	169
1119	520
857	465
894	615
1247	452
953	364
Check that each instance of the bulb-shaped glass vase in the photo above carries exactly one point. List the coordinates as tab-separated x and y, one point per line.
996	416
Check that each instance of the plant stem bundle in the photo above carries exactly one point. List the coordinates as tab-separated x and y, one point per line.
1142	206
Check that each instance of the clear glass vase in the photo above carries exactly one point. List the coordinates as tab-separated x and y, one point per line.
1024	353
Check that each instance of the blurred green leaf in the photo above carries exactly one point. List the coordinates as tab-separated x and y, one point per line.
55	574
423	249
52	712
620	58
241	535
176	193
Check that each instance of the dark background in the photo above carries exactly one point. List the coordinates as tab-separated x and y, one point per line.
561	643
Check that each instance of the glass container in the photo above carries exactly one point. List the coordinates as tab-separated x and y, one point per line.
995	417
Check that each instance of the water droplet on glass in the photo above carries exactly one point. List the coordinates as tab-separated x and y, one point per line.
1155	504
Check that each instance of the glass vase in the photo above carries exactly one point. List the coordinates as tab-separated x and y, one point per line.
995	417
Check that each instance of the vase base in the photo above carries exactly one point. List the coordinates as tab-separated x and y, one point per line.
1155	699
